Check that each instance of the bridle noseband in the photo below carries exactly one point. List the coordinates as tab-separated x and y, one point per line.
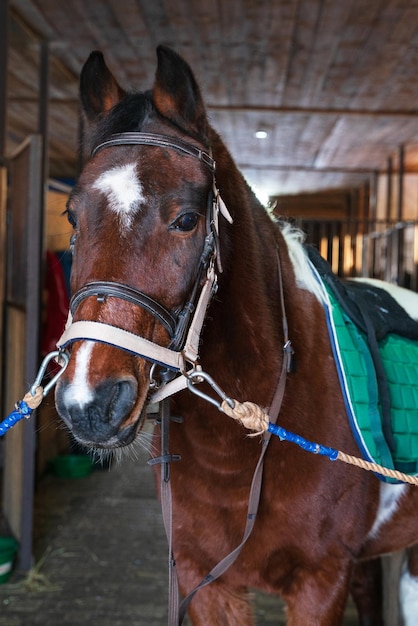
183	325
108	289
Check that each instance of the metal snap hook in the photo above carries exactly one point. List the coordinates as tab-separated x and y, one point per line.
62	357
197	376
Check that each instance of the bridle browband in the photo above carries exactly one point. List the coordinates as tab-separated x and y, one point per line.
160	141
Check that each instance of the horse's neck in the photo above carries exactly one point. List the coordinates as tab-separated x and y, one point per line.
245	328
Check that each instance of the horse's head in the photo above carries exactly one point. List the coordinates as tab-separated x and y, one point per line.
139	213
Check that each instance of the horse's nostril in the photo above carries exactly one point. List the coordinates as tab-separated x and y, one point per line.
122	400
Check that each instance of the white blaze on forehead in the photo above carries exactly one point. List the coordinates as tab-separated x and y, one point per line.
123	190
79	391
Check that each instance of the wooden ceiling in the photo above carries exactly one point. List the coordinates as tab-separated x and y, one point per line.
334	83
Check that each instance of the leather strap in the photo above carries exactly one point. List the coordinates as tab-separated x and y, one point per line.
169	389
191	347
255	490
96	331
161	141
107	289
167	507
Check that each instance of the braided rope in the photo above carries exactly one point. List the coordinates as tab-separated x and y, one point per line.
253	417
248	414
375	467
33	401
24	408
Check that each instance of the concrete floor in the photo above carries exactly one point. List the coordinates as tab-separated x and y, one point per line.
101	555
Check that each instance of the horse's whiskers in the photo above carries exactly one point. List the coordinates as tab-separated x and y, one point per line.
145	440
133	452
106	456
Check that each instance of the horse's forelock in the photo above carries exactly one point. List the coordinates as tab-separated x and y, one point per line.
128	115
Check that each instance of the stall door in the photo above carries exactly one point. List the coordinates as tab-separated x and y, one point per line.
24	235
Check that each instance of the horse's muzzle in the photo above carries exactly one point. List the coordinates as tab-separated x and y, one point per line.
98	419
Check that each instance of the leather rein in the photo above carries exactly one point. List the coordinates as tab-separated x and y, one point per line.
181	356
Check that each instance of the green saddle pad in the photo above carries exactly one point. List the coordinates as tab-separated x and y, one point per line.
360	389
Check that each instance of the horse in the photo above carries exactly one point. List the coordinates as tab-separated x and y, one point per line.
180	274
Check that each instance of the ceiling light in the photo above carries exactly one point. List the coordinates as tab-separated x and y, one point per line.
261	134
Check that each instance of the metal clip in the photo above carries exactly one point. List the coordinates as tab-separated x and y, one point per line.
197	376
288	353
62	357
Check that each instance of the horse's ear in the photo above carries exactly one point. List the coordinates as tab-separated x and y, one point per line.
176	93
99	90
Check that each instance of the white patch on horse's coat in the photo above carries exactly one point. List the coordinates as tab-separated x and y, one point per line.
79	391
123	190
305	277
408	597
406	298
390	496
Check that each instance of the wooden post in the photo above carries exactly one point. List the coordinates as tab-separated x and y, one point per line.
400	233
388	264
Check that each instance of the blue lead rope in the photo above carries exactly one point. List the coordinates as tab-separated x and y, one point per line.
309	446
22	410
253	417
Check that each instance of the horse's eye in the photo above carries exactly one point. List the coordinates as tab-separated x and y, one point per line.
71	218
185	222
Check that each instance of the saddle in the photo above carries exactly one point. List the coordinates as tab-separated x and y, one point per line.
375	346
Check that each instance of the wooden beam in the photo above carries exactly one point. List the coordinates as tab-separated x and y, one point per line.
242	108
266	167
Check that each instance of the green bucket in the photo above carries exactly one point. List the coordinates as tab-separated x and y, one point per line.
8	549
72	465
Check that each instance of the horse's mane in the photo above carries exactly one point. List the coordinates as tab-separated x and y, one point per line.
305	278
